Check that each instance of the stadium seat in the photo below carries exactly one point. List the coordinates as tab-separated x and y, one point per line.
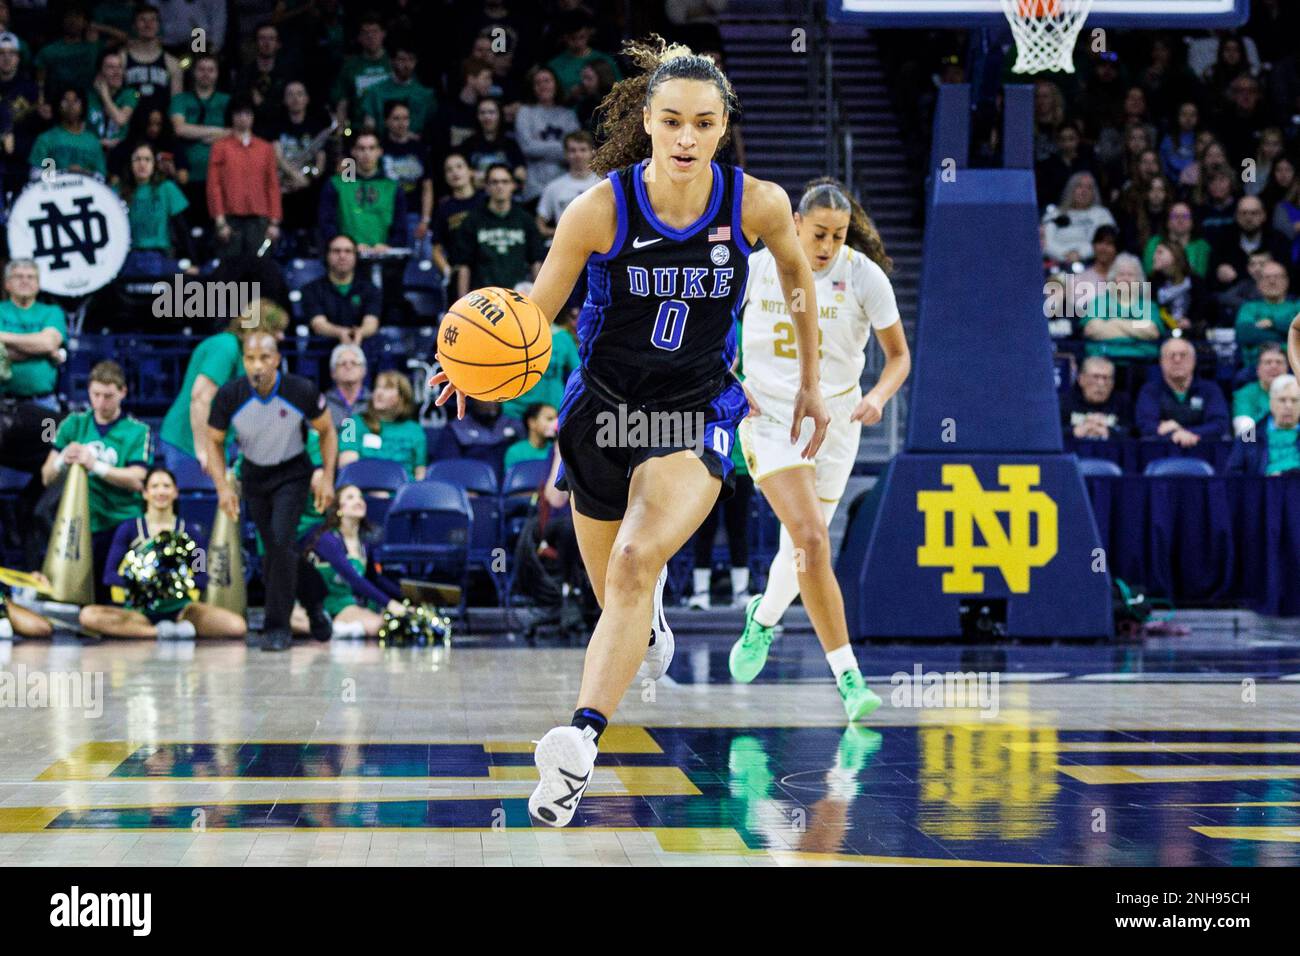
517	492
427	531
480	481
1099	468
476	477
1165	467
372	475
190	477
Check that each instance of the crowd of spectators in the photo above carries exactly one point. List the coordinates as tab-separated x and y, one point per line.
1170	212
365	140
1171	223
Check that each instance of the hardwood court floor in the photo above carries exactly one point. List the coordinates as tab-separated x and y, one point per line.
1181	752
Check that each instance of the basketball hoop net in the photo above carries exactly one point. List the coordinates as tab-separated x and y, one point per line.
1045	31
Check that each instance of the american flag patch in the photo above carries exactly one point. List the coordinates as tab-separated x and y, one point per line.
837	286
721	234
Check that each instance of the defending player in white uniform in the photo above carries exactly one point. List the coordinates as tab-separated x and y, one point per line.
853	297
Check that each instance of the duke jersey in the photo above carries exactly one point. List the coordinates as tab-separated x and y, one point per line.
658	324
853	297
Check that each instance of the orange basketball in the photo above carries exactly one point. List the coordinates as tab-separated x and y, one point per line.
494	344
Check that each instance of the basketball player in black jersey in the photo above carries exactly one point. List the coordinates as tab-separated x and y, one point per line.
664	241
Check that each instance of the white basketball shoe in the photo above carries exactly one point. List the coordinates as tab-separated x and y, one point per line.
565	759
660	652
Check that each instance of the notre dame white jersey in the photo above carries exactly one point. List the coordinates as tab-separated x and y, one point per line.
853	295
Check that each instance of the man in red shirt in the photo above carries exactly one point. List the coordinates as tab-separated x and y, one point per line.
243	187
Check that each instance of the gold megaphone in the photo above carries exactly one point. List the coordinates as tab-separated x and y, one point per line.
226	566
70	559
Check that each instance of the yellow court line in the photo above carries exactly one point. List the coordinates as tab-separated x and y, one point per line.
617	739
97	759
1264	834
670	839
1208	773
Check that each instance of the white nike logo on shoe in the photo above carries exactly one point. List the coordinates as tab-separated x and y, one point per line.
638	243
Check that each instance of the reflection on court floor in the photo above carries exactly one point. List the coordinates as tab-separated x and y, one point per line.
372	756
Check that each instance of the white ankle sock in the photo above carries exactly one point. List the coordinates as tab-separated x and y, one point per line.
841	659
349	630
739	580
185	631
702	578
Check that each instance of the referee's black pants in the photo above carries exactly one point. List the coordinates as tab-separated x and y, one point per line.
274	511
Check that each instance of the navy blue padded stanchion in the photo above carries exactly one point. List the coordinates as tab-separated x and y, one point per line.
982	514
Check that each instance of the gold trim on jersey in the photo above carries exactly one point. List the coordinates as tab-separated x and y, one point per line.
777	471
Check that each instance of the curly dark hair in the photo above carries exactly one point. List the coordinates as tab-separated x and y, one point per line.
619	128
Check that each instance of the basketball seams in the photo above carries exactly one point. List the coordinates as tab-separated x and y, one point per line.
524	375
488	331
527	345
460	361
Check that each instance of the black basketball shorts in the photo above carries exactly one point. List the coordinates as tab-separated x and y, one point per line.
603	440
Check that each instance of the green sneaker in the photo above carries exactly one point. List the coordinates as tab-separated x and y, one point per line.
857	747
749	654
859	699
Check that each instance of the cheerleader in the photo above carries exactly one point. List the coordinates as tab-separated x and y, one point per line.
175	618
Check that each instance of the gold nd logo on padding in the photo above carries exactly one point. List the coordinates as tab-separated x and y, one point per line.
1007	547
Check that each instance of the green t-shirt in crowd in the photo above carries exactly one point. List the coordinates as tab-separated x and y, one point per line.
358	75
418	97
1250	337
1250	400
97	117
499	248
523	450
568	68
366	208
31	376
1283	451
1108	305
550	389
69	64
68	150
220	357
402	442
125	442
200	112
151	209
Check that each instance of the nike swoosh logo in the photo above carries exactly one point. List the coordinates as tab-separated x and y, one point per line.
637	243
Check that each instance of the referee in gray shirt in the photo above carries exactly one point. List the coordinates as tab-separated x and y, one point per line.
270	412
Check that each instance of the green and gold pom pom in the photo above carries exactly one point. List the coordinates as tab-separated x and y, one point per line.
419	626
160	571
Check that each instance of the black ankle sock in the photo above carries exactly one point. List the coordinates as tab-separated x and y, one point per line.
587	717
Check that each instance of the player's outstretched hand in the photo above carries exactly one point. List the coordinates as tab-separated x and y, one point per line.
808	403
869	411
448	389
